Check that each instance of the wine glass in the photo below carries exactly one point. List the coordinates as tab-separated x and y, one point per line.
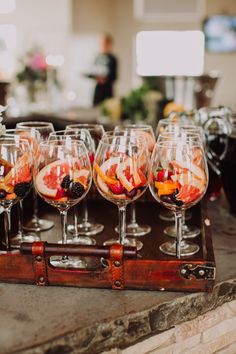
145	132
183	184
121	175
171	124
37	224
33	138
15	176
87	227
59	180
84	136
195	132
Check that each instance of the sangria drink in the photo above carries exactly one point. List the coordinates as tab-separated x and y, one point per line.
15	176
179	180
121	174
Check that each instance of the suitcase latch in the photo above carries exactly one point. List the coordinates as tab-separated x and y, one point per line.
200	272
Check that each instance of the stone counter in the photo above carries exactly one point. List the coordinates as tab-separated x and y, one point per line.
59	320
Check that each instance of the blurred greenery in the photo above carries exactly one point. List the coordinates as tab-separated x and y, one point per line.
133	105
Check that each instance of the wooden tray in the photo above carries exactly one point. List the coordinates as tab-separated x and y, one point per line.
117	267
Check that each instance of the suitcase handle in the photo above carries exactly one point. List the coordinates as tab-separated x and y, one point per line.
51	249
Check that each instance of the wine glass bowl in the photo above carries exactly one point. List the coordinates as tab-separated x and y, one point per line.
61	178
44	128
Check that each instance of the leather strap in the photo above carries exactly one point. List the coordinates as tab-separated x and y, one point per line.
39	263
117	266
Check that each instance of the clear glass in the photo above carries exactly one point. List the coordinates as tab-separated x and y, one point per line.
15	177
62	178
121	175
87	227
33	137
84	136
142	131
196	134
37	224
178	181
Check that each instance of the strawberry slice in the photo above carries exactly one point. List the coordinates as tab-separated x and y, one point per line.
116	188
162	175
188	194
142	179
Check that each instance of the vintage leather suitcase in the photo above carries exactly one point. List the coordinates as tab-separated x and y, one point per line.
117	267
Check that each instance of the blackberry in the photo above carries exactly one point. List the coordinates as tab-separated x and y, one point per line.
175	200
21	189
3	193
65	184
76	190
132	193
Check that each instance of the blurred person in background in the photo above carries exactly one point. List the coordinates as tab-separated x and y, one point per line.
104	71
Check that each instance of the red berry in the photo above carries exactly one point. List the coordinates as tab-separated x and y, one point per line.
116	188
60	193
163	175
91	158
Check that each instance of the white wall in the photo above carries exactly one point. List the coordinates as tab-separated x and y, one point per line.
46	23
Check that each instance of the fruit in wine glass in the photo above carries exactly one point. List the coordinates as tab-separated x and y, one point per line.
120	177
182	183
15	180
60	182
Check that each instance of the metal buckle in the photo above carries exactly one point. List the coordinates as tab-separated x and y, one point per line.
197	271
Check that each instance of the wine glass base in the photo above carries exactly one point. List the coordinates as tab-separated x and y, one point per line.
187	248
168	215
38	225
81	240
86	229
18	239
67	262
131	242
187	232
135	230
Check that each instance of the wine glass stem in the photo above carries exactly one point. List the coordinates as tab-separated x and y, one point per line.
183	219
20	218
7	227
178	225
132	214
85	211
35	205
63	214
122	217
75	217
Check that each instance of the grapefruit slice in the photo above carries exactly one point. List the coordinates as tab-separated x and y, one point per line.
188	194
48	179
81	176
188	178
101	171
121	174
103	179
21	171
192	167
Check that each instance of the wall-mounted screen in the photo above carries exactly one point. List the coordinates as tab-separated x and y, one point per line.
220	33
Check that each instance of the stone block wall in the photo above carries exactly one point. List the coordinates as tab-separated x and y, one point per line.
211	333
